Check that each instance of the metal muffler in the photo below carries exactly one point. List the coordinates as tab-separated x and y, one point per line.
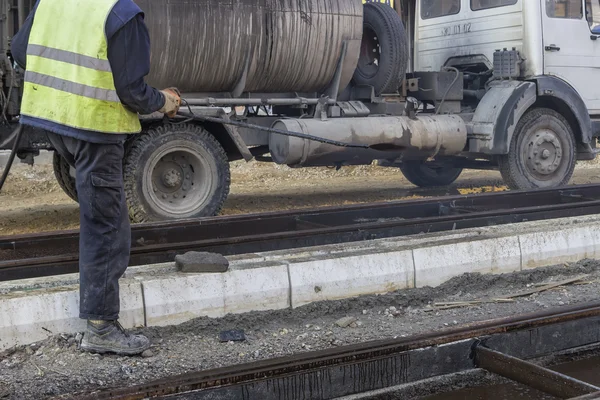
388	138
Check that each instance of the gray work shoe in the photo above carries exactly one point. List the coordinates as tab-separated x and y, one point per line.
110	337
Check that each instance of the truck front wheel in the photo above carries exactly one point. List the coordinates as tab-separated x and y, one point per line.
429	174
542	152
174	172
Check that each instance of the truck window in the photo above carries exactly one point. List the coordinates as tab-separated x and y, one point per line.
592	14
477	5
572	9
439	8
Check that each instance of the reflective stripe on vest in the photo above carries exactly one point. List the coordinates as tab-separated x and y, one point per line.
68	78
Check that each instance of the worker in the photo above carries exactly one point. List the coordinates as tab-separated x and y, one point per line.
85	63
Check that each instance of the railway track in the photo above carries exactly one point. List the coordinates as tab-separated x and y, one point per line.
44	254
500	346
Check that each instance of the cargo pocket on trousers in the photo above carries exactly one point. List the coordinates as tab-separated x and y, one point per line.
106	199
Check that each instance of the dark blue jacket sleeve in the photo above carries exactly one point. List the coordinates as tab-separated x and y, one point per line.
129	57
18	47
128	54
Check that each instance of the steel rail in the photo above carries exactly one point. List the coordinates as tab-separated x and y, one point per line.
543	379
397	358
36	255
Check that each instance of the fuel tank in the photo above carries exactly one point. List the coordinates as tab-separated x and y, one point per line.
388	137
261	46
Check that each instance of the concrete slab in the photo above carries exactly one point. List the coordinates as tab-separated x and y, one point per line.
160	295
435	265
27	316
560	246
176	299
257	287
337	276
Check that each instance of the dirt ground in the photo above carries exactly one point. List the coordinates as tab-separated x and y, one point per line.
56	366
32	201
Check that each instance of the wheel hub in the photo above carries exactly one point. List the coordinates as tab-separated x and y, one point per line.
172	178
545	152
370	52
179	180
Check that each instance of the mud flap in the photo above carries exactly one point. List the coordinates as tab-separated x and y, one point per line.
494	122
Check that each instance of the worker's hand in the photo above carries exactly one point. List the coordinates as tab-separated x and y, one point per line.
172	102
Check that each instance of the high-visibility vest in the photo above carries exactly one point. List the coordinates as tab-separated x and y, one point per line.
68	79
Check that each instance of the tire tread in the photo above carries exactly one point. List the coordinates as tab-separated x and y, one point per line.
62	173
508	163
390	25
134	156
413	173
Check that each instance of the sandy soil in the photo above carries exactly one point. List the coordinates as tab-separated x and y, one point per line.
32	201
56	366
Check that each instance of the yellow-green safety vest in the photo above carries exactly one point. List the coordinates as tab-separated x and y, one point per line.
68	79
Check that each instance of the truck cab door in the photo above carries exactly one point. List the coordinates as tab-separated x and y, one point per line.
569	47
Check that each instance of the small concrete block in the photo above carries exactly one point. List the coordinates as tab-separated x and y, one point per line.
345	322
435	265
540	249
201	262
171	301
341	276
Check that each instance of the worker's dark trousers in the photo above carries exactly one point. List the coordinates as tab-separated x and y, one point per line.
105	233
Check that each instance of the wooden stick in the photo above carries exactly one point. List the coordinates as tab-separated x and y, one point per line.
548	287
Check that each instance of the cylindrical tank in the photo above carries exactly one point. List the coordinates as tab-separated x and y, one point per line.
388	136
288	45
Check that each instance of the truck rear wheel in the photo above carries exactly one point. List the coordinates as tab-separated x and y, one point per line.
384	49
62	172
542	152
424	174
174	172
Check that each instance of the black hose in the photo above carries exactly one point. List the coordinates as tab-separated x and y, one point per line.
13	153
448	88
191	116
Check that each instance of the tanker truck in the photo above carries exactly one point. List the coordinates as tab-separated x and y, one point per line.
430	87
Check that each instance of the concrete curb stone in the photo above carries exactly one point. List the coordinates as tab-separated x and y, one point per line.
158	295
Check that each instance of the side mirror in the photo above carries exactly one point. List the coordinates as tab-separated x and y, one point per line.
594	37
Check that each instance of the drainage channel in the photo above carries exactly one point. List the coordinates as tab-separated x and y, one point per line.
586	370
502	347
581	365
44	254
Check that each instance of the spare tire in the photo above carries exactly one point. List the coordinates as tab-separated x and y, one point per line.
384	49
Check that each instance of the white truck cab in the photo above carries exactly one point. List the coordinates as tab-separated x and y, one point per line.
554	37
522	73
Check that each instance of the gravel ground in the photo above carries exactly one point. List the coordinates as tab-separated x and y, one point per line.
56	366
32	201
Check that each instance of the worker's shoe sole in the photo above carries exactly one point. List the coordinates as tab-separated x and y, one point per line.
121	352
